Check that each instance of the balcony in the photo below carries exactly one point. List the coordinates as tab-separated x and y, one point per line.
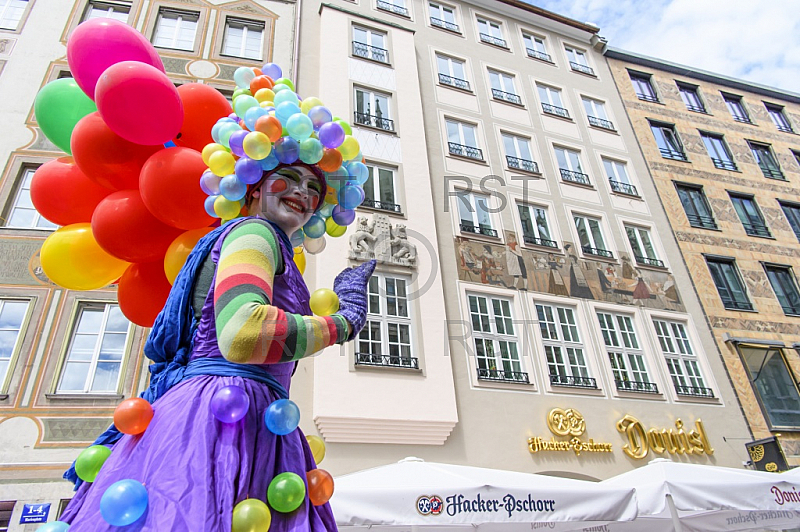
522	164
392	8
636	386
583	69
601	122
536	54
597	252
671	153
647	97
757	229
364	119
702	221
555	110
574	177
491	39
695	108
509	97
694	391
391	361
462	84
465	151
623	188
772	172
743	119
786	128
724	164
367	51
734	304
647	261
382	205
445	25
498	375
536	241
573	382
480	230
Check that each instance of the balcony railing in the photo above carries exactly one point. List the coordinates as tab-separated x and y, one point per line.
392	8
574	177
449	26
700	220
491	39
465	151
583	69
756	229
536	241
771	172
485	231
623	188
382	205
555	110
785	128
392	361
509	97
742	118
500	375
636	386
522	164
724	164
368	51
695	108
444	79
694	391
364	119
669	153
575	382
647	97
536	54
597	252
601	122
734	304
647	261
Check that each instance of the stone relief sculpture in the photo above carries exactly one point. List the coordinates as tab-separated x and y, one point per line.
378	239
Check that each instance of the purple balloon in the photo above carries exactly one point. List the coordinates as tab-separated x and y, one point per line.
286	149
343	216
236	140
272	70
209	206
319	116
230	404
209	183
248	171
331	135
233	117
351	196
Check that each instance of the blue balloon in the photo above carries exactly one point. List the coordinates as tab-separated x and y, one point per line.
336	179
297	238
123	502
285	110
232	188
272	70
253	114
315	226
299	126
282	416
350	196
209	206
286	149
54	526
319	115
270	162
225	132
248	171
243	76
311	151
343	216
358	172
209	183
280	87
326	210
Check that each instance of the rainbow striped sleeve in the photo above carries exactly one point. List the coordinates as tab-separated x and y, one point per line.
249	329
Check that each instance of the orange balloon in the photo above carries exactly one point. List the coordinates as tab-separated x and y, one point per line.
202	107
320	486
142	292
179	250
132	416
257	71
261	82
331	160
270	126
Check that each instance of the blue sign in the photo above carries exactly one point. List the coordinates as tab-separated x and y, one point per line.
34	513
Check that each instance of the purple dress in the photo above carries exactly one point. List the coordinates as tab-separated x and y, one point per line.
195	468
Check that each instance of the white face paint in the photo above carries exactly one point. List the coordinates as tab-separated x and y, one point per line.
289	197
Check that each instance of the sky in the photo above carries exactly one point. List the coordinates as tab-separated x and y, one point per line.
755	40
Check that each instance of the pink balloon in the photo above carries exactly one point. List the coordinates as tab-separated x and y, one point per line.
139	103
99	43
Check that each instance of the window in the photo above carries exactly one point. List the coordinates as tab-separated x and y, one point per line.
551	101
698	212
243	38
443	16
643	87
668	142
491	32
729	283
578	61
618	177
591	237
23	214
774	383
370	44
475	214
792	213
681	360
386	338
596	113
379	189
783	284
503	87
779	118
518	153
6	509
750	215
175	29
116	10
452	72
569	164
535	228
62	505
625	353
496	351
535	47
562	347
766	161
462	140
11	12
398	7
691	98
718	151
736	108
12	316
96	349
642	246
373	109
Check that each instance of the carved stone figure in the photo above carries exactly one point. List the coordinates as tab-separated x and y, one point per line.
401	247
378	239
362	241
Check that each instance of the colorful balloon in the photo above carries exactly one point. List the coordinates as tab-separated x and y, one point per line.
261	82
282	417
225	208
311	151
319	116
232	188
203	105
63	194
284	81
286	492
54	526
315	227
272	70
243	103
297	238
350	196
320	486
209	149
251	515
324	302
333	229
222	163
124	502
236	142
300	259
270	126
257	145
343	216
248	170
242	76
230	404
309	103
209	183
179	250
349	147
286	150
132	416
264	95
299	126
315	245
331	135
285	110
58	107
142	291
89	462
317	446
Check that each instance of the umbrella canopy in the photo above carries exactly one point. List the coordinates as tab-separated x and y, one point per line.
417	495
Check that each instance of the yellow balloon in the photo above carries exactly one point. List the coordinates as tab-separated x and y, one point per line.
300	259
324	302
349	148
317	446
72	258
180	248
264	95
332	196
251	515
256	145
309	103
211	148
225	208
221	163
269	103
334	229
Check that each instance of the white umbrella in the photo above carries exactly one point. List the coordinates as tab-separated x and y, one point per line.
417	495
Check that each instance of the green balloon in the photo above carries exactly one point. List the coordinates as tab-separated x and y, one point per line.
58	107
89	462
345	126
286	492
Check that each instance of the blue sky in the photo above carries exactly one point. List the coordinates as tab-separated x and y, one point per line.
756	40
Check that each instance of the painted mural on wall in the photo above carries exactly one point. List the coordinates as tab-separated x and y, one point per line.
564	273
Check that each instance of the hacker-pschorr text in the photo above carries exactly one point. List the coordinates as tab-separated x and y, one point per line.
456	504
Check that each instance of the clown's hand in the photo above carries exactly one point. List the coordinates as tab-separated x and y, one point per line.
351	287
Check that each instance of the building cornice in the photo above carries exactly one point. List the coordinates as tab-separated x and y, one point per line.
561	19
365	17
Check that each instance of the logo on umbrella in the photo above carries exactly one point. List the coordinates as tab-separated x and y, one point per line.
429	505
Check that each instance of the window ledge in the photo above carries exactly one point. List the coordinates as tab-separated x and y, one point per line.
523	171
686	160
767	237
717	229
641	396
575	390
604	129
3	396
497	46
597	258
481	162
694	399
479	237
81	396
369	59
512	104
448	31
394	13
240	58
650	267
750	311
459	89
382	211
579	185
624	195
555	251
390	132
593	76
551	63
379	368
559	117
658	102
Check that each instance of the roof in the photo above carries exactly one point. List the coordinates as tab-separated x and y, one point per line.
551	15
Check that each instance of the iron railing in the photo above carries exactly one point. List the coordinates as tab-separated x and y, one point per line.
485	231
702	221
392	8
647	97
756	229
536	241
574	177
555	110
597	252
368	51
647	261
743	119
771	172
509	97
365	119
522	164
694	391
465	151
500	375
669	153
393	361
695	108
636	386
382	205
785	128
450	26
491	39
536	54
724	164
623	188
573	381
583	69
601	122
444	79
734	304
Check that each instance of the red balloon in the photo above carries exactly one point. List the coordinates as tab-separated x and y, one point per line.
142	292
105	157
202	107
132	416
170	188
63	194
124	227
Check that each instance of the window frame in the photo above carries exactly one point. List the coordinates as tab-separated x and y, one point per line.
578	66
399	8
370	34
20	24
594	250
167	9
778	116
477	152
535	237
706	391
517	376
451	80
548	107
447	25
696	219
770	267
674	149
594	118
87	9
247	23
626	351
505	81
572	170
475	227
5	379
756	388
384	122
541	55
735	103
5	508
643	259
568	372
490	38
721	156
685	89
615	181
724	283
641	79
771	169
755	224
22	187
516	161
372	167
796	225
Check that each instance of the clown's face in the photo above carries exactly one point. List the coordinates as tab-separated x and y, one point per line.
289	197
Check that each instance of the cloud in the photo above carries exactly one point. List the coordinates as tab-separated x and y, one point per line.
754	40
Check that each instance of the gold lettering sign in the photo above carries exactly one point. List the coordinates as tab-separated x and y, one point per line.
659	440
567	422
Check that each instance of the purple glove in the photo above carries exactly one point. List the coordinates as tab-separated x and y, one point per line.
351	287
